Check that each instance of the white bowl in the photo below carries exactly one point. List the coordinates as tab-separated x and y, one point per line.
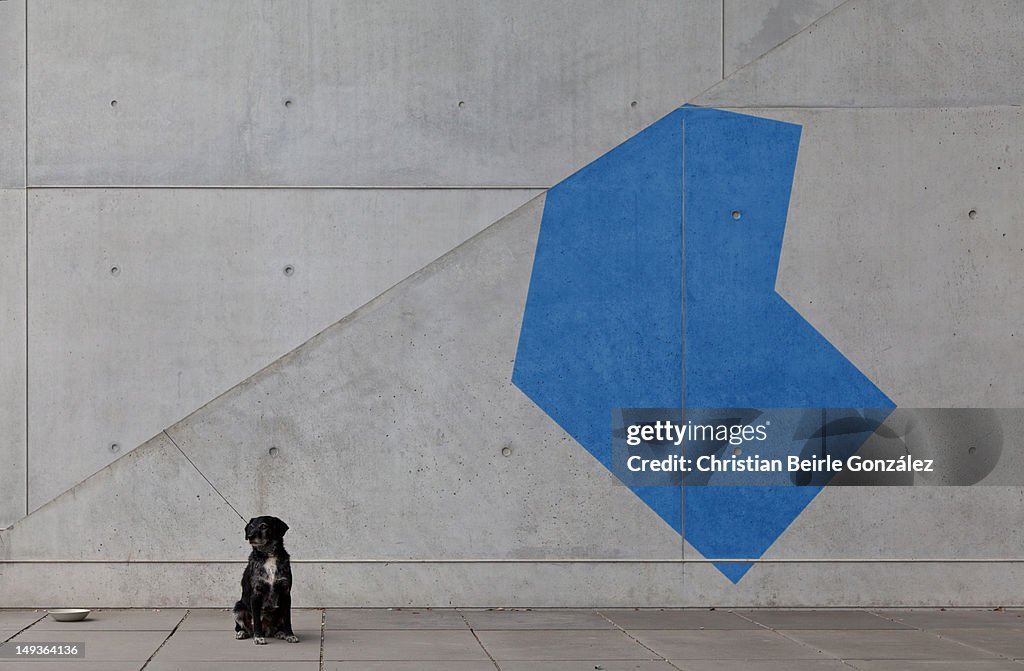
69	614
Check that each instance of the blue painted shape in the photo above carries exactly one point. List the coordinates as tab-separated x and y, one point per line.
744	345
602	326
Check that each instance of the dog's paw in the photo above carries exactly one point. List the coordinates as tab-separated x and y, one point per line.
241	634
292	638
259	640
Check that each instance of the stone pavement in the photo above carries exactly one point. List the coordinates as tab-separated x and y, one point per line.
535	640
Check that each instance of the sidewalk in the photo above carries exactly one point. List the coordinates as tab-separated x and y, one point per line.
535	640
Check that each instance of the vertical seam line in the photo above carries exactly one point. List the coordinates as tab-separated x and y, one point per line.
26	263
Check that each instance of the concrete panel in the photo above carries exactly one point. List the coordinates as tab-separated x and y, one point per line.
828	584
150	504
12	94
146	304
424	370
476	585
754	27
324	92
873	53
903	248
12	354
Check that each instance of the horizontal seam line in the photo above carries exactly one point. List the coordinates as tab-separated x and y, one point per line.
844	560
297	187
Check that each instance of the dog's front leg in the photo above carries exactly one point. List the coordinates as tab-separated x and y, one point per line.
256	607
284	604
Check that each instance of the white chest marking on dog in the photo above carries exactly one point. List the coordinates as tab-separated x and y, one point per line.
271	567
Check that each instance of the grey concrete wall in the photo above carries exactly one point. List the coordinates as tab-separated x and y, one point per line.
173	366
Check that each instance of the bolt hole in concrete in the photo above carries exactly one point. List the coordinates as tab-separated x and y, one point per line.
633	104
506	451
288	102
114	447
462	104
115	271
274	451
289	271
973	214
736	214
971	450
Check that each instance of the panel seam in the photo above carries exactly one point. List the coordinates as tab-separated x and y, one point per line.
26	266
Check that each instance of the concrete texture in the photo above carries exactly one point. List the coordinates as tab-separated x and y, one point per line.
398	646
12	94
13	452
134	497
14	620
560	645
353	645
877	53
211	269
491	93
423	618
865	644
206	584
753	28
885	522
396	373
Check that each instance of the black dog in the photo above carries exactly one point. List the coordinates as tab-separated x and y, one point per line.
265	608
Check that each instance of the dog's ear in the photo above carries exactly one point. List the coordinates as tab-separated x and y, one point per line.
282	528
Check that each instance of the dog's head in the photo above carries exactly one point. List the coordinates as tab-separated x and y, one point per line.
265	531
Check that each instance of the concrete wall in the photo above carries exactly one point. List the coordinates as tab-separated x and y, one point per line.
273	258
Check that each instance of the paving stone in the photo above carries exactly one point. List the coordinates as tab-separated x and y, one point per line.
554	645
409	666
677	619
820	619
1006	642
956	618
873	644
127	619
931	665
217	646
171	665
396	645
397	618
19	619
724	645
587	665
763	665
536	619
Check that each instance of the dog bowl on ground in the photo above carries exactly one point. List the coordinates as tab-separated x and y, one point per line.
69	614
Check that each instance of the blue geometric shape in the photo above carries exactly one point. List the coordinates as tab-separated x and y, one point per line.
605	326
